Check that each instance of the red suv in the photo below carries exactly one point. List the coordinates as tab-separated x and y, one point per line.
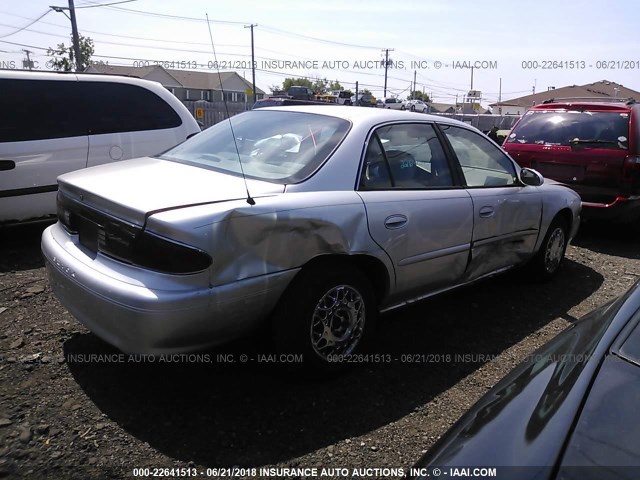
592	147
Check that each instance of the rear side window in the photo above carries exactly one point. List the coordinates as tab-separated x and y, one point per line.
405	156
118	107
46	109
571	128
40	110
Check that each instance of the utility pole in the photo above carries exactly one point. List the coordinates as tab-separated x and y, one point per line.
253	62
76	38
356	92
414	84
471	78
29	63
500	97
386	66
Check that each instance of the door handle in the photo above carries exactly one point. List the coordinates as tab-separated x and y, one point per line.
395	221
7	165
486	212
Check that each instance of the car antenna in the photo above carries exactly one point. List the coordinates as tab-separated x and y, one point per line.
250	199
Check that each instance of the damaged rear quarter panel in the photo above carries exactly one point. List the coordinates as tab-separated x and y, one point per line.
278	233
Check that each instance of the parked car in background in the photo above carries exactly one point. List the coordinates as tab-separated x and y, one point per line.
593	147
284	101
54	123
343	96
391	103
416	106
364	100
298	92
570	410
310	218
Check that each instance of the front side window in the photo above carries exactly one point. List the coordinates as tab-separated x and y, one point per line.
573	128
280	147
483	164
405	156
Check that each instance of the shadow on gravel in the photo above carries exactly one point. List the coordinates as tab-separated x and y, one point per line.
254	413
20	247
609	238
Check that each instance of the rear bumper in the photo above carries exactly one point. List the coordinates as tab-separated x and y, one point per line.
621	209
138	319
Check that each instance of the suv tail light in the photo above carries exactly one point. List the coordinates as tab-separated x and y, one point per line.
631	167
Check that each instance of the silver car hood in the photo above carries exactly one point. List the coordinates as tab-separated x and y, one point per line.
134	189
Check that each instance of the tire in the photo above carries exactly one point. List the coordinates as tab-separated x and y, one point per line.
336	297
403	107
547	261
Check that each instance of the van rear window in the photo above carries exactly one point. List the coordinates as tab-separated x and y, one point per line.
591	129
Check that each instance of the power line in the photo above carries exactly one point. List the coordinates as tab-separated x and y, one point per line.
93	5
26	26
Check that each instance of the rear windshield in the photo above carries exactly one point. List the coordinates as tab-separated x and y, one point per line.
594	129
280	147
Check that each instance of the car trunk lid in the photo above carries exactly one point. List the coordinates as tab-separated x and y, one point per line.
135	189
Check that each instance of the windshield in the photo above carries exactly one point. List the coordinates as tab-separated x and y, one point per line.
602	129
280	147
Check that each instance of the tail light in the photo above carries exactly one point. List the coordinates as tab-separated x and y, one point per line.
127	242
631	167
157	253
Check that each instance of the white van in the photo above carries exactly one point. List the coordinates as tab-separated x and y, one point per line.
53	123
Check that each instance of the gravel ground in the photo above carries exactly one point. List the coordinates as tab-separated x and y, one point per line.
62	416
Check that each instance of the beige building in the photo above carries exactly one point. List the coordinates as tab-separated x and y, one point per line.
189	84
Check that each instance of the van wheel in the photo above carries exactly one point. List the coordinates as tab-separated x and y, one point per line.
547	261
326	314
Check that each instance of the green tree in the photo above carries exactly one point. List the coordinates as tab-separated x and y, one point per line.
418	95
64	57
335	85
290	82
320	85
366	92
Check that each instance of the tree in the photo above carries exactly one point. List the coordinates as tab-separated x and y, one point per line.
320	85
418	95
65	57
335	85
290	82
366	92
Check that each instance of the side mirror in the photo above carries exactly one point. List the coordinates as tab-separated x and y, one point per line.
531	177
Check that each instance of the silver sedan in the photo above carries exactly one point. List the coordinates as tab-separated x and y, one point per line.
311	218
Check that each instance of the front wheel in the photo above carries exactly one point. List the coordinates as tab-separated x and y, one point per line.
547	261
327	315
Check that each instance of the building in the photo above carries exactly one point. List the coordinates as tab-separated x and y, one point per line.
190	85
601	89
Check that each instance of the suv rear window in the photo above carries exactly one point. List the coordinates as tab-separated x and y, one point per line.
590	128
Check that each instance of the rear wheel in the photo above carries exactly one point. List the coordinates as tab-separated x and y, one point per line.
327	315
547	261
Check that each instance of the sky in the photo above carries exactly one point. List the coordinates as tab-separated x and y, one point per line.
516	48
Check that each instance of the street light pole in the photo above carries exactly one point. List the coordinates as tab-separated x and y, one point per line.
76	38
253	63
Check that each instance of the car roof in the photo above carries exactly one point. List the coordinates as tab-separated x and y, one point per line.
589	106
364	115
